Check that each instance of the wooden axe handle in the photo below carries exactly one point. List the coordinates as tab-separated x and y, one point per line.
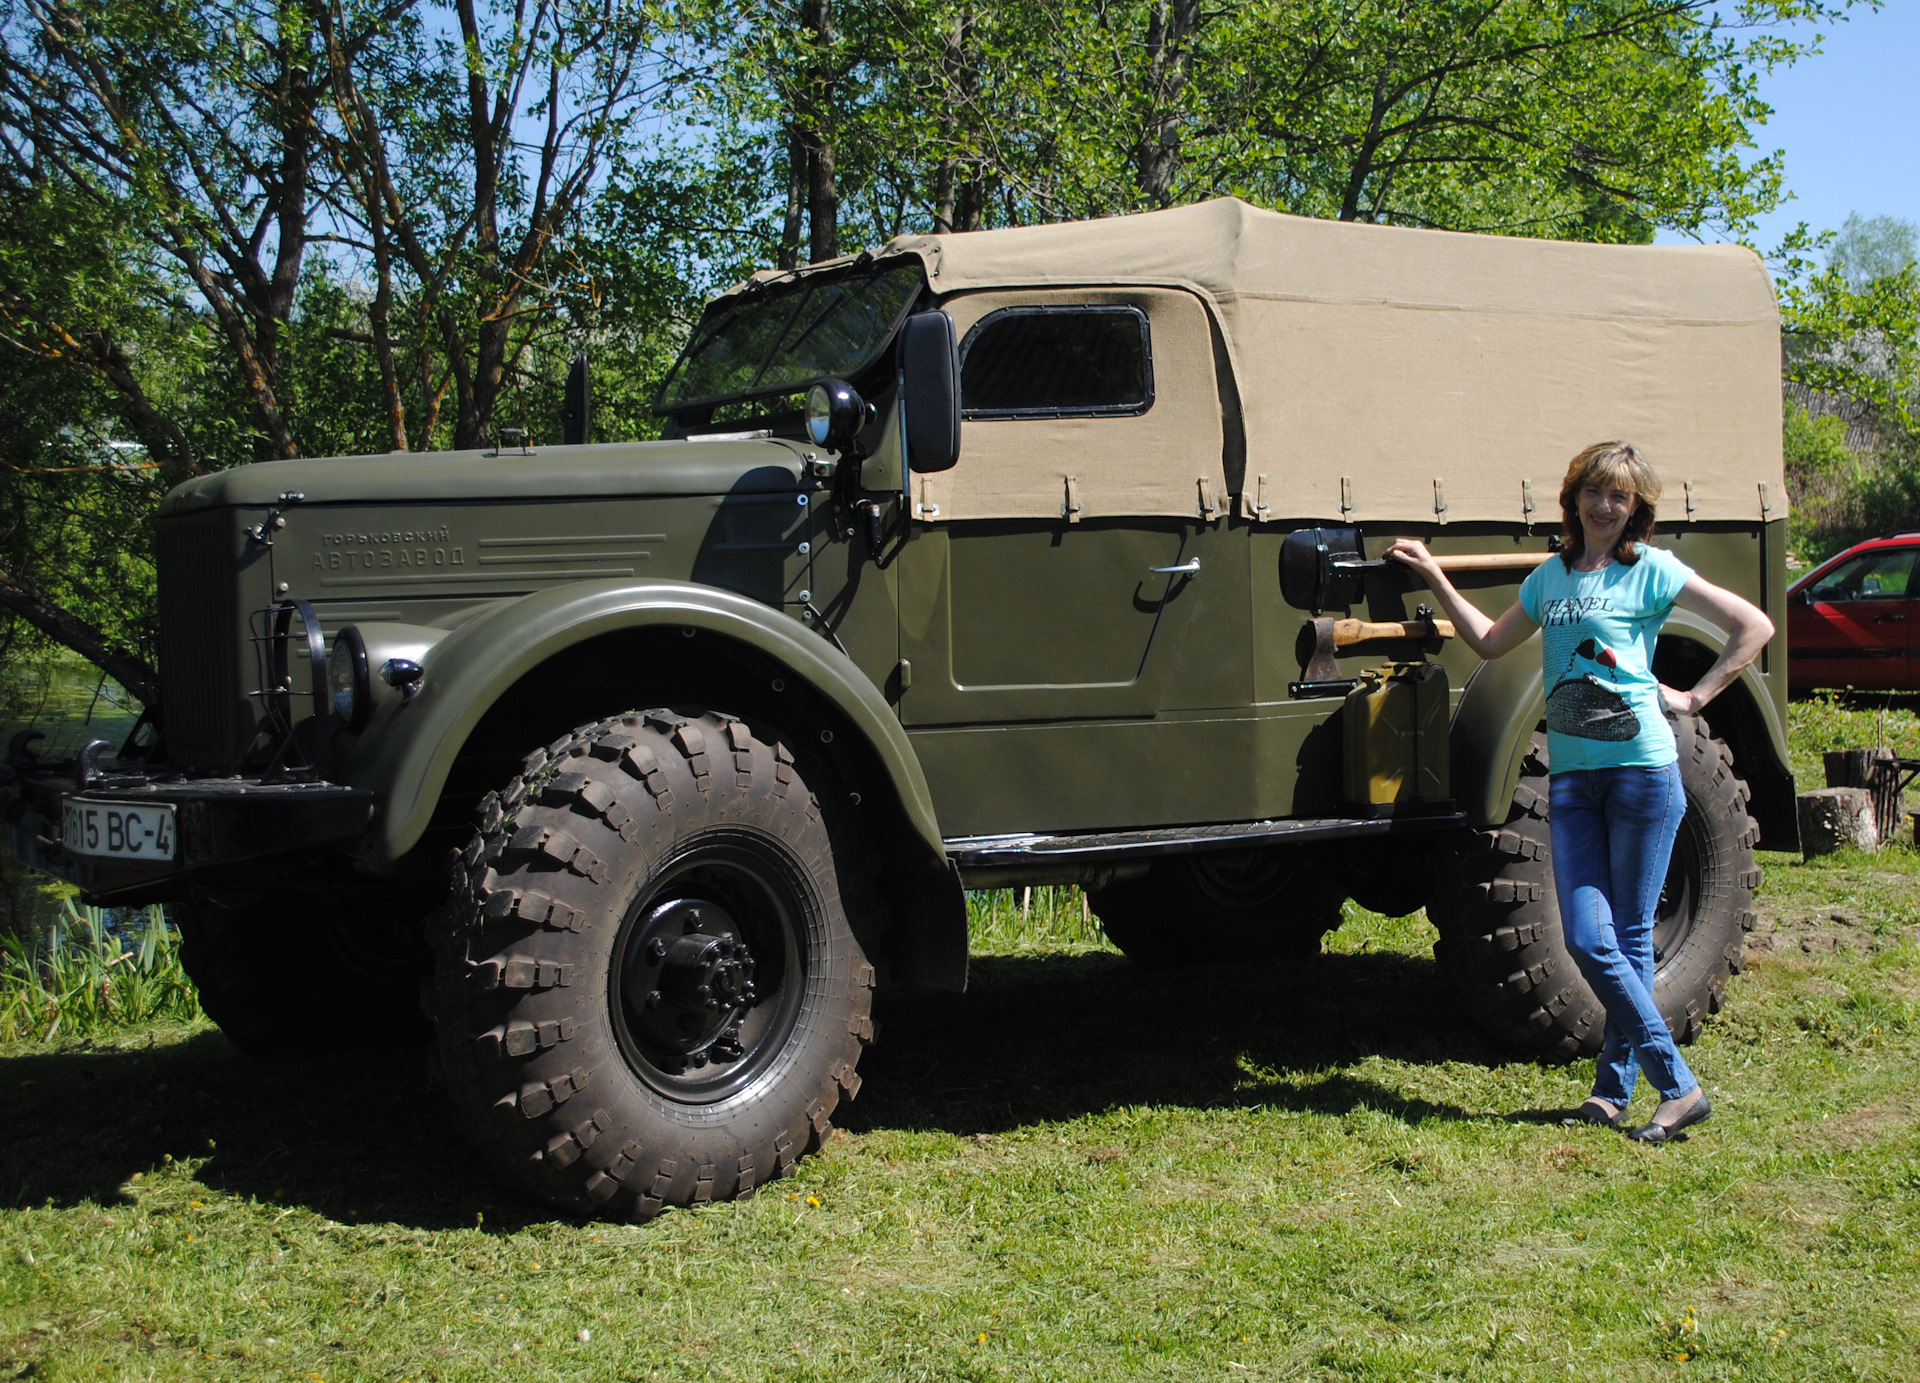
1492	561
1346	631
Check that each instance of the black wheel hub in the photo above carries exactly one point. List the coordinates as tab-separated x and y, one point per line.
687	982
708	976
1242	880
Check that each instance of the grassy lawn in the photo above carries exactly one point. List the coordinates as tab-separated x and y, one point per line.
1074	1171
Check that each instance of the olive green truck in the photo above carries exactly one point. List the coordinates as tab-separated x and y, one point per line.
1027	556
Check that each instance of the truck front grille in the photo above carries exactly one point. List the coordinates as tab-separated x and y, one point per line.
205	708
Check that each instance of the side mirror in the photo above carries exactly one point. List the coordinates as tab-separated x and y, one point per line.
1324	568
930	391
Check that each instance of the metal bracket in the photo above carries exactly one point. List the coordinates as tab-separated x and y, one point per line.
275	520
86	764
277	694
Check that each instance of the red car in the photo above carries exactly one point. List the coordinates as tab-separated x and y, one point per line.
1851	621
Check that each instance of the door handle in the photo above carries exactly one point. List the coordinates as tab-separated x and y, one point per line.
1186	568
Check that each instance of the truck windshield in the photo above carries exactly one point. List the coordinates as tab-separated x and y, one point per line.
781	339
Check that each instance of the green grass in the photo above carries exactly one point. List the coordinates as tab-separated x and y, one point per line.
88	972
1850	720
1074	1171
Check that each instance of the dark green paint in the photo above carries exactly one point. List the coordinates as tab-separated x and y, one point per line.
1055	684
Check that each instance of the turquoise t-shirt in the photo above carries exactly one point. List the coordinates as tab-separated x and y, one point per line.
1599	628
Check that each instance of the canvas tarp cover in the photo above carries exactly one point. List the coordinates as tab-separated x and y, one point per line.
1167	460
1423	376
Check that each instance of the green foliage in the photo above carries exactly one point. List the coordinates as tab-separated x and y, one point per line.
1852	332
1859	342
1823	481
1851	720
91	971
1574	120
244	229
1013	921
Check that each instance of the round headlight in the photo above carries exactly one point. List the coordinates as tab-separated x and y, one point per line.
835	414
347	678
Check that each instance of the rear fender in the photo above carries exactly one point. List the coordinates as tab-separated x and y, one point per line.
1504	700
408	751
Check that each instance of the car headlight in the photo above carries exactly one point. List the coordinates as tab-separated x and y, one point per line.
347	678
835	414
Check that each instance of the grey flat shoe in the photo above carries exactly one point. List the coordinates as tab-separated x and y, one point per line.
1657	1132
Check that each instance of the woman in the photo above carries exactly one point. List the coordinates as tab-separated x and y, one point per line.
1616	799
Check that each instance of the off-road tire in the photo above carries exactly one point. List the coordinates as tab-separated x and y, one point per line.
290	974
559	1071
1501	944
1221	908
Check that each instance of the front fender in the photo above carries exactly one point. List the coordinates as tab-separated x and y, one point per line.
1506	698
408	751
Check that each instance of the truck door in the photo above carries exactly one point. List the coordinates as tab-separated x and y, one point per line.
1052	574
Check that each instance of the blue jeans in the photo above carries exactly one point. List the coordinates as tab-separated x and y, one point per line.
1613	832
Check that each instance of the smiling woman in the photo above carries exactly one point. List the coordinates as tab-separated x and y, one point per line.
1617	793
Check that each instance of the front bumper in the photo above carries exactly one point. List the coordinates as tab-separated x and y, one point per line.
219	823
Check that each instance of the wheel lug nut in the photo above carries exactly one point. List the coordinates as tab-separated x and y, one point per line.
657	949
653	998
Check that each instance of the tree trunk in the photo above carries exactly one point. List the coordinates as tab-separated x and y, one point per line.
1157	156
797	161
1877	772
823	190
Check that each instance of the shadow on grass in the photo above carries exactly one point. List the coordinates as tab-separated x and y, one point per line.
354	1138
363	1139
1052	1037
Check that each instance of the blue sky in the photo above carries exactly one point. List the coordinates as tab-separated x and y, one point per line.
1846	121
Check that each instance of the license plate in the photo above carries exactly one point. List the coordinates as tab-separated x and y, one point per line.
117	830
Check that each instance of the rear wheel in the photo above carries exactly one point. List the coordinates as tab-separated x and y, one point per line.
1500	939
650	994
1201	909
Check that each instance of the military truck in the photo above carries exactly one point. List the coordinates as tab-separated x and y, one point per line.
1026	556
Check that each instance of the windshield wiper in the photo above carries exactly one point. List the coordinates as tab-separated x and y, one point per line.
844	300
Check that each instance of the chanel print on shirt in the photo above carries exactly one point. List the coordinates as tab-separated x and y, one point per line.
1599	627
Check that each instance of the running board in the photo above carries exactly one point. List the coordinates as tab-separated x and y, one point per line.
1100	851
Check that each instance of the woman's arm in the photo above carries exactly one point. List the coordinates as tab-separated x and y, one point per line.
1490	638
1748	630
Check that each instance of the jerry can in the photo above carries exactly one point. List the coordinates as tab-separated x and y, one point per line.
1397	723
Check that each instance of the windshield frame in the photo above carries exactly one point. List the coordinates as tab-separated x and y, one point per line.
801	288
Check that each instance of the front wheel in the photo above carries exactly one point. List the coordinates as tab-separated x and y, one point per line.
1499	920
649	994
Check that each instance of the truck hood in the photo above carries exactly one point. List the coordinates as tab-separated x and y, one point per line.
618	469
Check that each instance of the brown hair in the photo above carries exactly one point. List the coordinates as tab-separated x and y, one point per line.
1608	465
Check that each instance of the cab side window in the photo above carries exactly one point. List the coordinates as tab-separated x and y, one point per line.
1870	576
1057	362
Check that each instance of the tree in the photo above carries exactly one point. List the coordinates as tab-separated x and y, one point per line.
1852	333
282	227
1591	119
349	220
1869	248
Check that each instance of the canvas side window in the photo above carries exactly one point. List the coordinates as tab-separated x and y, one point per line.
1077	361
